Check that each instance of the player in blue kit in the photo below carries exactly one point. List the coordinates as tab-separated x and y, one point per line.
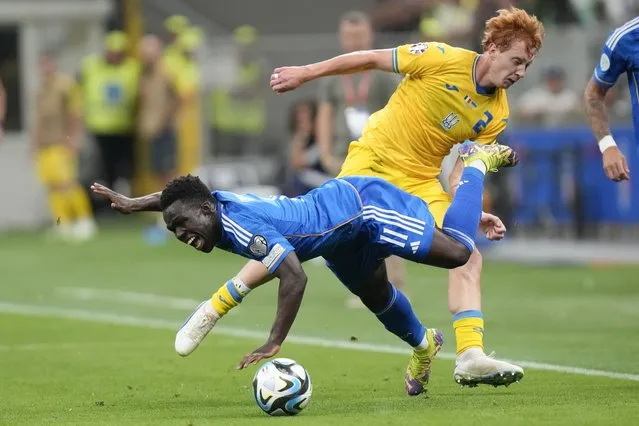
353	222
619	55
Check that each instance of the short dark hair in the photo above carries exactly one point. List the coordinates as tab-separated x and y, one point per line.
186	188
355	17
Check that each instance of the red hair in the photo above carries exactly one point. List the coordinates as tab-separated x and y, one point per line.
512	25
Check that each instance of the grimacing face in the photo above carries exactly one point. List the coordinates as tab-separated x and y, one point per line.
192	223
509	66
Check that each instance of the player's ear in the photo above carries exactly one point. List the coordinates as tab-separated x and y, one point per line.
207	208
492	50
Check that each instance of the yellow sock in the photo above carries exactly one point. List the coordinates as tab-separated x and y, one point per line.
469	330
60	207
229	296
79	202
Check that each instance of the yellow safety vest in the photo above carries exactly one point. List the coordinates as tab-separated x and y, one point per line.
110	94
232	114
174	59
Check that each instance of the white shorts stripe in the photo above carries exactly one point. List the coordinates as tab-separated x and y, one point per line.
392	241
390	222
395	213
395	234
393	218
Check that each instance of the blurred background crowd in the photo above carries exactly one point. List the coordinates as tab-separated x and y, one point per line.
140	91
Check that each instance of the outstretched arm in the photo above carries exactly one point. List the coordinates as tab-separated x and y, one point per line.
292	285
126	205
284	79
614	162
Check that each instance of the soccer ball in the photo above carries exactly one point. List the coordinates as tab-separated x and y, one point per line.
282	387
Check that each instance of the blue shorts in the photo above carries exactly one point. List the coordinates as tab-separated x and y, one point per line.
393	223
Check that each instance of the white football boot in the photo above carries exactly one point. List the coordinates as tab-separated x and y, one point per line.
473	367
195	328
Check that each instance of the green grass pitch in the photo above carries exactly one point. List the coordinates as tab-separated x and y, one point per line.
86	338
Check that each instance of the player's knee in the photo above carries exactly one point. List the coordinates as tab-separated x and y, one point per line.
460	257
469	264
475	263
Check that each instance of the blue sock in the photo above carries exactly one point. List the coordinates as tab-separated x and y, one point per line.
398	318
463	215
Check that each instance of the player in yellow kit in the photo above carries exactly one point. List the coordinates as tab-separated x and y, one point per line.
56	139
448	95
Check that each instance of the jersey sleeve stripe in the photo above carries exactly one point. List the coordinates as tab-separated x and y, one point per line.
601	81
612	43
619	32
241	240
235	226
395	61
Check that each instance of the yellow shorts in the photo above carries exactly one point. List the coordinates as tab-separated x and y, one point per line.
362	161
56	165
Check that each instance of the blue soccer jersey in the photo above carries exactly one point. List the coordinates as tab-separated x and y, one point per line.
268	229
620	55
353	222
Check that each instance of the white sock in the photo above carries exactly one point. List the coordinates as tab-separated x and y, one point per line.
210	311
424	343
241	287
470	353
479	165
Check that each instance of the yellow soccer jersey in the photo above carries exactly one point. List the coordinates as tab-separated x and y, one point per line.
437	105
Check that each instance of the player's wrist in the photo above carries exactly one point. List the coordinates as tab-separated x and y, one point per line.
308	74
606	142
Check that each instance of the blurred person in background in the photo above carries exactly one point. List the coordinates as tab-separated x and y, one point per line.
188	80
550	104
306	168
450	21
238	112
401	16
55	141
109	86
175	25
158	104
345	105
3	108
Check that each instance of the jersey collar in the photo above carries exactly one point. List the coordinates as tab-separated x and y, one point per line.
225	240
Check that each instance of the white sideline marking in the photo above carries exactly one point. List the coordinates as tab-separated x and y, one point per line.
63	346
131	297
109	318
